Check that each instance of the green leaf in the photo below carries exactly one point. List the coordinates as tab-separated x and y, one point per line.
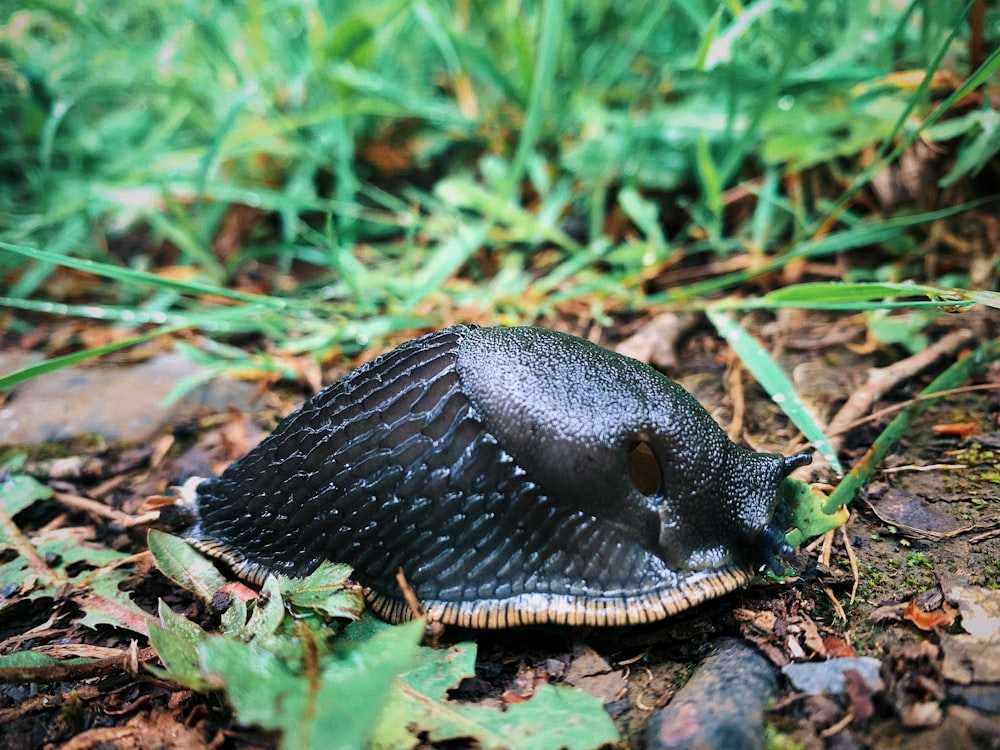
325	592
71	552
268	612
560	717
774	381
365	627
19	492
809	519
19	577
176	643
977	152
234	618
27	659
185	566
907	329
104	603
554	717
335	707
645	213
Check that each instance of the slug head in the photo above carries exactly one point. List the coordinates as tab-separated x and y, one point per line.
725	515
611	437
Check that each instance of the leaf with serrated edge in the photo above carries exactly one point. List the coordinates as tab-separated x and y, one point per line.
19	492
71	550
324	591
176	643
553	717
183	565
336	708
104	603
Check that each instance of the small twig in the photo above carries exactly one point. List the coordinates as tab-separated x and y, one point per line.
408	595
983	537
853	560
107	567
127	662
825	555
927	467
838	727
92	506
882	379
47	702
957	373
735	387
98	737
886	411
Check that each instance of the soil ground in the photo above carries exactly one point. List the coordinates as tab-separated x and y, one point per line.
924	535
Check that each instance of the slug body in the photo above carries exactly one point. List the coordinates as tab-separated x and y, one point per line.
515	475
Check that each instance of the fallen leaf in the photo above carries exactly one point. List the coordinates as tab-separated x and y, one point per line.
417	709
961	429
929	620
838	648
521	688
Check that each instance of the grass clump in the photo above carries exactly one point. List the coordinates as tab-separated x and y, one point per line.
411	162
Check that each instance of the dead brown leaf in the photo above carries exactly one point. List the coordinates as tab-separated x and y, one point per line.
929	620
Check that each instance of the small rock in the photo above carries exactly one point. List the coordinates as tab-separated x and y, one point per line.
827	677
118	402
722	706
984	698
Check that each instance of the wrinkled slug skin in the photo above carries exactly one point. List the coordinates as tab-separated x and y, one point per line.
491	466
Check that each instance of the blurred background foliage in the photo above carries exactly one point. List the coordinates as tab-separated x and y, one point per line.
340	170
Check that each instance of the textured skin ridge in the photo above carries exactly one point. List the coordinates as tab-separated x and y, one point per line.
421	461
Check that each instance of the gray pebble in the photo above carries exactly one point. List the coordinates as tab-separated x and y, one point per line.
827	677
722	705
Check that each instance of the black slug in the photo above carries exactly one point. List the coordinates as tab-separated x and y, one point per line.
515	475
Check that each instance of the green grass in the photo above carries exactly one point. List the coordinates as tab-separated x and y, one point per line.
405	162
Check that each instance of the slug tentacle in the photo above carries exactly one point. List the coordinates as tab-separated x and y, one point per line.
515	475
771	547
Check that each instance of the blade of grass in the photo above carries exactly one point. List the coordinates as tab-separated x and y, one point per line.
49	365
133	276
541	92
774	381
763	101
864	233
886	153
451	254
817	295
